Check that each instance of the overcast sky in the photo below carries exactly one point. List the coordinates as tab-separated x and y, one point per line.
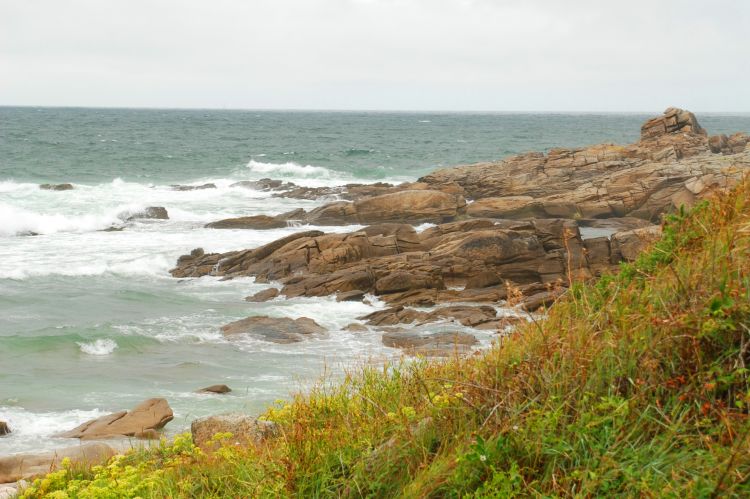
503	55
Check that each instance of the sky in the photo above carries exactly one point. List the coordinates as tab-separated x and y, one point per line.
481	55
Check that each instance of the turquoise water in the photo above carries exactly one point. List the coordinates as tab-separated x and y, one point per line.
91	321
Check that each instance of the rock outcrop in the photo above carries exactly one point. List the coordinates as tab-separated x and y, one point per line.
670	166
150	415
440	344
242	427
27	466
273	329
4	428
519	236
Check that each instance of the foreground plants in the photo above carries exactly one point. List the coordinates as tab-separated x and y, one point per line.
635	386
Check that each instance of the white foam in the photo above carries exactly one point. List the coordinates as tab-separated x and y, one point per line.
35	430
19	221
99	347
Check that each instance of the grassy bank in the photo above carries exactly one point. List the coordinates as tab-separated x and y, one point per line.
636	385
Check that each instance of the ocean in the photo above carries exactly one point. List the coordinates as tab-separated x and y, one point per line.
91	321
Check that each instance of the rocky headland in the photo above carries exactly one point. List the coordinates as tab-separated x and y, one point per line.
516	230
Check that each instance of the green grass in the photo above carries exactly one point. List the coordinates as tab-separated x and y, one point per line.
636	385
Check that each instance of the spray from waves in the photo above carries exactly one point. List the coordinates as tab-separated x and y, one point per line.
99	347
19	221
289	170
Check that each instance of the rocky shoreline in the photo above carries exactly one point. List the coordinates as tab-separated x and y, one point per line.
516	231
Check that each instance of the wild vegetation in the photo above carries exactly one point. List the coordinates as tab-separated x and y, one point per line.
636	385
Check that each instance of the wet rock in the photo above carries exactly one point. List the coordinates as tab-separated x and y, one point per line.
353	295
275	329
244	429
218	389
152	414
4	428
437	344
152	212
264	295
356	328
56	187
192	187
27	466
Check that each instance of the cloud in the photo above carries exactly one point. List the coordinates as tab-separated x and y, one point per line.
377	54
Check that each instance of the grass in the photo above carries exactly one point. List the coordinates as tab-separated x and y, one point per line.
636	385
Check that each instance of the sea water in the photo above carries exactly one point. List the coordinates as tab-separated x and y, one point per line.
91	321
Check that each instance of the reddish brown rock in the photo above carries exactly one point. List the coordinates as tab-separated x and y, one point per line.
264	295
151	414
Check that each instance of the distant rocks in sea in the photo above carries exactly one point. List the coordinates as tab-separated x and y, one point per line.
176	187
143	421
56	187
152	213
217	389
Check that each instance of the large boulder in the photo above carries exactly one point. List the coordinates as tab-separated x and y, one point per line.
4	428
244	429
27	466
672	121
152	414
274	329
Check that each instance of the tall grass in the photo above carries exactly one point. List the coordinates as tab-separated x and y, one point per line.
636	385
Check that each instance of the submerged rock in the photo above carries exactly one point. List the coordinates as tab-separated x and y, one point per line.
27	466
243	428
56	187
152	212
192	187
152	414
264	184
275	329
218	389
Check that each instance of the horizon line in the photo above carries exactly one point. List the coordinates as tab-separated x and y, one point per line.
354	110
